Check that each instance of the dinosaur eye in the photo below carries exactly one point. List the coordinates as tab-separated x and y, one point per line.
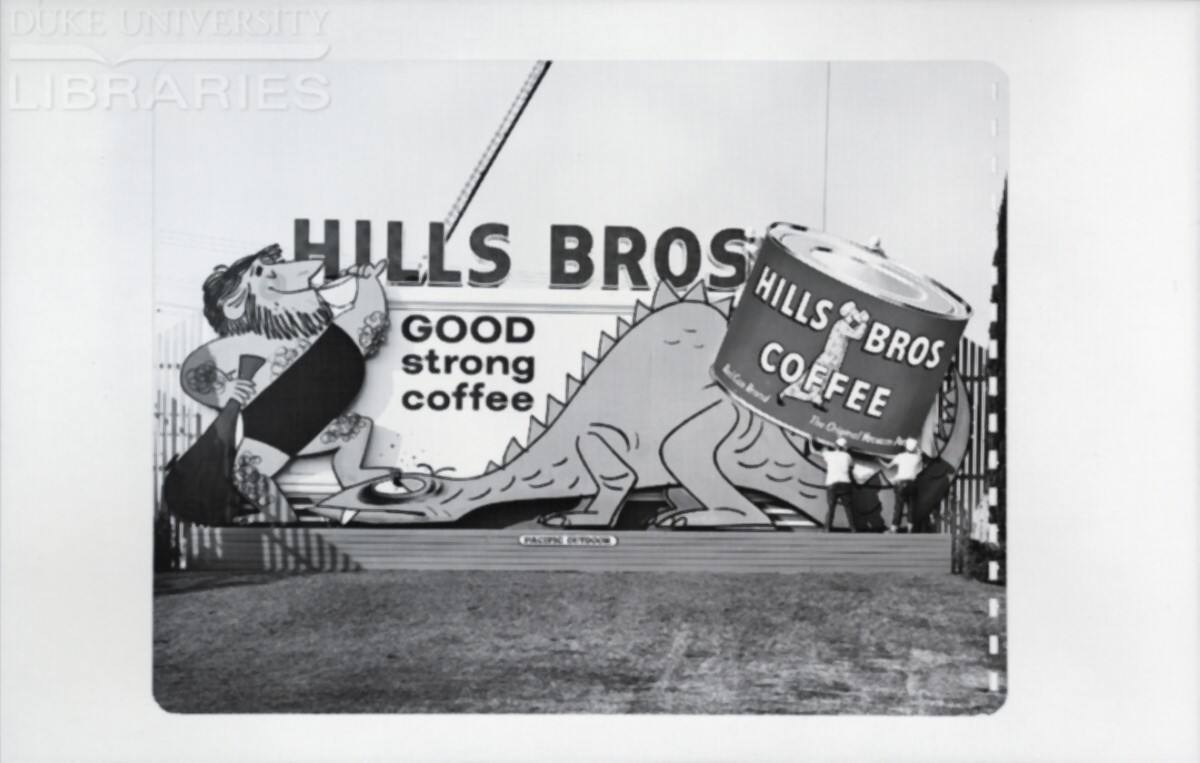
258	271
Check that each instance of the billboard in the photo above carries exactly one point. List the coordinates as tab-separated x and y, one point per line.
493	294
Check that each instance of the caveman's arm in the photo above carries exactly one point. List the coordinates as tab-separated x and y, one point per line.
366	320
209	375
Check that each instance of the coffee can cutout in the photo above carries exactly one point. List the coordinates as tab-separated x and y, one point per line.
832	339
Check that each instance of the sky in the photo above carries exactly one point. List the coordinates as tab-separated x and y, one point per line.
913	153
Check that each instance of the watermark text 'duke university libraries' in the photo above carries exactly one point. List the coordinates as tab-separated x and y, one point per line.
80	59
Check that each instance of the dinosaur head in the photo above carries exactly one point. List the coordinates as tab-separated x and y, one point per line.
411	497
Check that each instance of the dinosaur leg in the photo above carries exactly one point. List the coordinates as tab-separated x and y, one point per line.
613	478
689	454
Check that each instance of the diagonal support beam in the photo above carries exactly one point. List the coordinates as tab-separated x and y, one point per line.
499	138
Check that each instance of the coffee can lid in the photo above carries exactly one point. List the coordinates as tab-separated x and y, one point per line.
869	271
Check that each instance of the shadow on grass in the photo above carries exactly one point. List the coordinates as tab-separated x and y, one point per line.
171	583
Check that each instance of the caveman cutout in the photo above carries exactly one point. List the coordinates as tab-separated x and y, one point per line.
313	363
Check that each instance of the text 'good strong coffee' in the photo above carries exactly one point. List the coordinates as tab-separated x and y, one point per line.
831	339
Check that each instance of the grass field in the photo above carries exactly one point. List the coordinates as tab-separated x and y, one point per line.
537	642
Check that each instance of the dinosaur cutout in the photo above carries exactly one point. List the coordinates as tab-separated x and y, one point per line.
625	433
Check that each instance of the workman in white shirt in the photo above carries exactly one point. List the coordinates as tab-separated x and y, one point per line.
908	466
839	484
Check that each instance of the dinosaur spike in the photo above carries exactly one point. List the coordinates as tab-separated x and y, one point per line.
622	326
553	408
491	467
589	365
697	293
513	450
535	430
640	311
573	386
725	306
664	295
606	344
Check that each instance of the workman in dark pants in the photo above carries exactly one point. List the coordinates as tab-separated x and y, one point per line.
839	482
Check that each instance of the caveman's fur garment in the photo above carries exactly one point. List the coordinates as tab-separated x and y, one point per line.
310	393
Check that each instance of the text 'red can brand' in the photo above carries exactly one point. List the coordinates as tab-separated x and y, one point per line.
832	339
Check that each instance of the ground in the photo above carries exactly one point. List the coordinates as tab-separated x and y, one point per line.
535	642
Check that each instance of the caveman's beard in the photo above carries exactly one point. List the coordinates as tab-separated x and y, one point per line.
285	324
